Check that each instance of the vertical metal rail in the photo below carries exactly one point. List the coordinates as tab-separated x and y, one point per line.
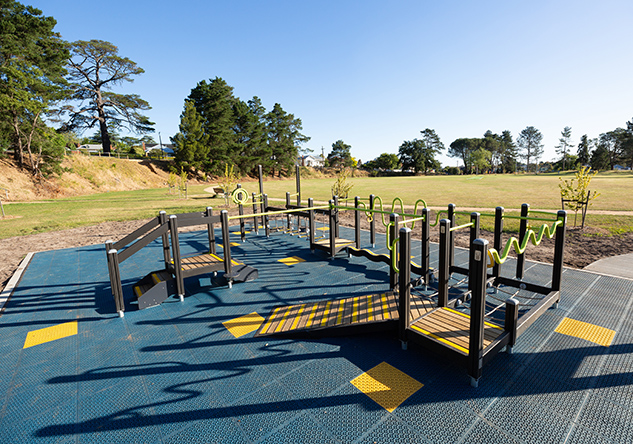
474	234
298	180
451	235
511	321
255	218
288	222
162	219
264	210
498	239
311	223
115	278
240	209
393	231
444	263
404	285
226	243
261	193
372	224
525	210
425	245
336	220
175	246
357	221
332	221
559	250
211	231
477	306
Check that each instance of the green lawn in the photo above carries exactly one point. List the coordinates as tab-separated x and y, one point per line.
484	192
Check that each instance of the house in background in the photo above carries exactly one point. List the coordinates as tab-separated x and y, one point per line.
167	148
91	147
311	161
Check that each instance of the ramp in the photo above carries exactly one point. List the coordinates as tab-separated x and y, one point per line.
353	312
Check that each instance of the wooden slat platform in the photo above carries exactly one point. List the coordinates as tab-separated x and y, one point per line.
453	328
203	260
338	242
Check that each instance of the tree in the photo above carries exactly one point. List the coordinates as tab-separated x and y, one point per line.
95	68
340	156
600	158
214	102
411	154
190	143
284	137
529	141
611	143
433	146
626	142
584	150
509	149
250	135
386	161
564	144
32	59
481	159
464	148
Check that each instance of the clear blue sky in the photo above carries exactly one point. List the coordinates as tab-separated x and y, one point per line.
376	73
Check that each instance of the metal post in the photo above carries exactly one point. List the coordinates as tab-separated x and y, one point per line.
311	223
525	210
451	235
511	321
372	224
162	219
444	264
404	285
425	245
559	250
288	207
211	231
115	278
477	306
255	221
261	192
393	231
240	209
357	221
264	210
226	243
498	239
336	231
298	179
474	234
332	234
175	246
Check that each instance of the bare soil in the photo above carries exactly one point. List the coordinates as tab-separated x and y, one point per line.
582	247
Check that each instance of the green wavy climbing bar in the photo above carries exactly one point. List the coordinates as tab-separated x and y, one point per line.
530	235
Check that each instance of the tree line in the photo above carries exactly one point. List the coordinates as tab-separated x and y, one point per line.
216	129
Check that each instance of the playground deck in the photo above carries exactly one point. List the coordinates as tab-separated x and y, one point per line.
193	371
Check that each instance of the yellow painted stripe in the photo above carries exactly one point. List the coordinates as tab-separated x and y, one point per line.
137	290
155	278
311	317
339	318
48	334
283	320
270	320
355	310
370	313
326	313
589	332
385	307
298	317
421	330
466	316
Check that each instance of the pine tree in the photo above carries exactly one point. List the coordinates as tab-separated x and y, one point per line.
529	141
191	148
584	150
564	144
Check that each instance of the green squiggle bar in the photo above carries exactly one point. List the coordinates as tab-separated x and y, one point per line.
393	206
437	217
520	249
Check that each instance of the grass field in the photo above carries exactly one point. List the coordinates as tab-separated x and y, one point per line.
485	192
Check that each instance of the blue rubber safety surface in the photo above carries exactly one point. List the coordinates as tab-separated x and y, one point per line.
175	374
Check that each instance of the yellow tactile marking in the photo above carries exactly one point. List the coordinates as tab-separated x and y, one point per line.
283	320
385	306
355	310
386	385
323	228
298	317
48	334
244	324
339	317
589	332
326	313
291	260
234	244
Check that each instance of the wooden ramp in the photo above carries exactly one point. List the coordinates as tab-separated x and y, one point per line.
354	311
452	328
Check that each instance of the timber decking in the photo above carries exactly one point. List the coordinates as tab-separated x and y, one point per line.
203	260
453	328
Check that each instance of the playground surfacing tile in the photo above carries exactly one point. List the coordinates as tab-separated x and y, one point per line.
174	373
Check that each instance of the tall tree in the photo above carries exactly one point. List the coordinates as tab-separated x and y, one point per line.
509	157
284	138
529	141
584	150
341	155
32	58
627	144
564	144
386	161
492	143
412	156
95	67
433	146
214	102
611	142
464	148
191	148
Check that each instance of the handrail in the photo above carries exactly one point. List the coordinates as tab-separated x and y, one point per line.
272	213
459	227
536	239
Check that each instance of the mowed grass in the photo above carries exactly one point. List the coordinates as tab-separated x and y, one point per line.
484	192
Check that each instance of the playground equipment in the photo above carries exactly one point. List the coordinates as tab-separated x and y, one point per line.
158	285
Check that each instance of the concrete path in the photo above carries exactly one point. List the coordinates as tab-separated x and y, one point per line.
619	266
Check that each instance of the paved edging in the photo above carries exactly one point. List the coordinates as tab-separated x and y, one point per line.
13	282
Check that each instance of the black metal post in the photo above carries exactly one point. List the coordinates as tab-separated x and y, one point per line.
511	321
336	221
357	221
162	219
474	234
288	223
444	263
425	245
477	307
261	192
298	179
255	221
393	231
175	246
115	278
525	210
226	243
242	225
372	224
265	218
404	284
311	223
451	235
559	251
332	220
498	239
211	232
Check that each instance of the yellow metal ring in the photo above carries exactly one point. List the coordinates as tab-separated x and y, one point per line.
240	196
